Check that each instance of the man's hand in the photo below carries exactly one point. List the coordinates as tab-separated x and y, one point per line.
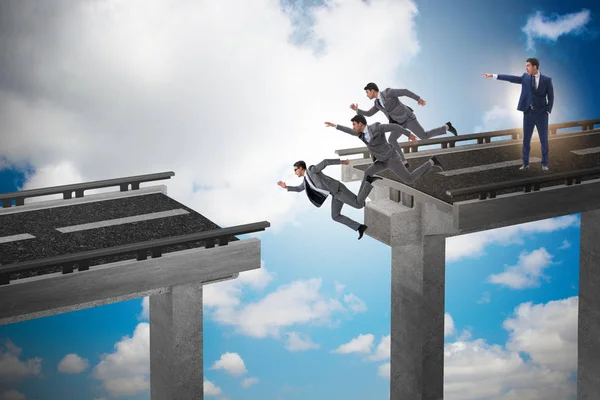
412	138
330	124
282	184
345	162
421	102
488	75
354	106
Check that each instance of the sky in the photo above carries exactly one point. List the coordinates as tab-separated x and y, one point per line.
229	100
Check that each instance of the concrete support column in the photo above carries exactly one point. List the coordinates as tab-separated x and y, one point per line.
588	340
176	346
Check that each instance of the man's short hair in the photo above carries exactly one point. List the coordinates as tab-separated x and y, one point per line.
300	164
359	119
534	61
371	86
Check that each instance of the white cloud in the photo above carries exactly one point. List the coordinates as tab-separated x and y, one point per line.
355	303
448	325
73	364
145	315
363	343
249	382
126	371
486	297
382	352
540	27
527	273
565	245
473	244
231	363
12	368
210	389
384	370
499	118
339	288
299	342
191	92
547	332
12	395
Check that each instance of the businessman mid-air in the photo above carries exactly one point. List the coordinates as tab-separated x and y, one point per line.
318	186
384	156
388	102
536	102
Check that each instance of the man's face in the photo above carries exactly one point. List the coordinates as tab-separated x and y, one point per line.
299	171
371	94
358	126
531	70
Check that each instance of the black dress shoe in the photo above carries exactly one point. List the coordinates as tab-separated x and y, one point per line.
372	179
451	128
406	164
437	162
361	230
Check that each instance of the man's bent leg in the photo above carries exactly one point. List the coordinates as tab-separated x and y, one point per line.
406	176
419	132
336	209
393	141
347	197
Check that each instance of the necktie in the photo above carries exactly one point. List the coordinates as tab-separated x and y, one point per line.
533	82
379	102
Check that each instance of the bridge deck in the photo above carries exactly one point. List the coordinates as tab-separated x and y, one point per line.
500	163
59	230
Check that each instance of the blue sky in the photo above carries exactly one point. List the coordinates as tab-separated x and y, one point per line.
504	288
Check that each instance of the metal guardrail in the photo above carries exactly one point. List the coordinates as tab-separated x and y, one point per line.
83	259
80	188
528	184
482	137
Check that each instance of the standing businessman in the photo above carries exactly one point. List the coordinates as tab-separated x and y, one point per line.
318	186
536	101
388	102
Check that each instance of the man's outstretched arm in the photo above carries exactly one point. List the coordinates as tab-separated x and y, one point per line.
503	77
342	128
330	161
402	93
369	113
291	188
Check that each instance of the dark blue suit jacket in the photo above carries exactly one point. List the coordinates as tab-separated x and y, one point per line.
542	98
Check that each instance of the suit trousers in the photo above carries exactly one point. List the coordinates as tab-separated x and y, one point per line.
408	126
539	120
396	165
345	196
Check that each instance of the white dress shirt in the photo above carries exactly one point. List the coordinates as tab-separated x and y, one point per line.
312	185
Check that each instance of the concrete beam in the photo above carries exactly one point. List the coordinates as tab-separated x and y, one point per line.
176	344
56	293
518	208
588	340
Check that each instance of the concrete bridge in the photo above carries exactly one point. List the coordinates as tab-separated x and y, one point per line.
78	252
480	189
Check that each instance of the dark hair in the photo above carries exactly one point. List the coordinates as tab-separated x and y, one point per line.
300	164
534	61
371	86
359	119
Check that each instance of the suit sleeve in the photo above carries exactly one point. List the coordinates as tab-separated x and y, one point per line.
298	188
320	166
349	131
402	92
396	130
550	95
369	113
510	78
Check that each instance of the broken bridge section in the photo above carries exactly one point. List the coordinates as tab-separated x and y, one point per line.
78	252
481	188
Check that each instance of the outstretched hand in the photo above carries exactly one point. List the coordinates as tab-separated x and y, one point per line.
488	75
330	124
412	138
354	106
345	162
421	102
282	184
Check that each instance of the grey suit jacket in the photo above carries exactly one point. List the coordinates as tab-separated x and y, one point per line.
320	180
393	107
378	146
